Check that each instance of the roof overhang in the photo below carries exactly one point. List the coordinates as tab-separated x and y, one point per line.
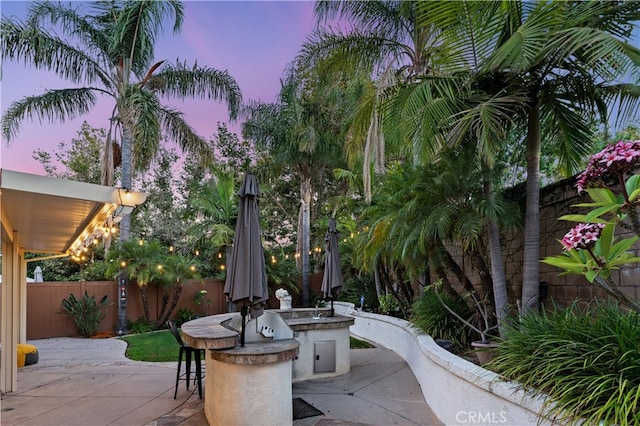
56	215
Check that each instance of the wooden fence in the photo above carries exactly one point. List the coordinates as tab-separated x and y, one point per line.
44	301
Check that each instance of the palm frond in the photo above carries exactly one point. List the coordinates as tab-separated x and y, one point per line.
71	22
353	51
43	50
527	45
141	110
202	82
179	131
53	105
134	31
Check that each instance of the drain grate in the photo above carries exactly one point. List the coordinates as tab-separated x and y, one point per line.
302	409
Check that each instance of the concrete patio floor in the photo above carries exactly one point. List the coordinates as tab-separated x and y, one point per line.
90	382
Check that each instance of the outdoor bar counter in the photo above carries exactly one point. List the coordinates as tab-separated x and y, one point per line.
245	385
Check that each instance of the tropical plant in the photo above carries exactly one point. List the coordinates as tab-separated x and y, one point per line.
383	39
551	68
214	208
140	325
590	248
430	316
140	259
358	287
420	214
113	57
480	321
171	274
302	133
183	315
86	311
586	360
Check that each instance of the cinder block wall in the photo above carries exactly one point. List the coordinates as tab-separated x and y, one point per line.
556	200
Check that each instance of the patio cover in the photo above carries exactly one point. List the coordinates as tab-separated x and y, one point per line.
46	215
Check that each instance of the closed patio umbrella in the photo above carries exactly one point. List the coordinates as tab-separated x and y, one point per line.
332	280
246	282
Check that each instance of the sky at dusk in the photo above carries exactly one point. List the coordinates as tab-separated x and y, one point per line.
253	40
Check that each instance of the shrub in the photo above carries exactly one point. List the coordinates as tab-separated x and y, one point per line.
357	286
140	325
86	312
183	315
587	361
432	318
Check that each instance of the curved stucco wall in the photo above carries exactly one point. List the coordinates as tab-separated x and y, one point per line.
457	391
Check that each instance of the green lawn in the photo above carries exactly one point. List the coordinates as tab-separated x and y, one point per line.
157	346
161	346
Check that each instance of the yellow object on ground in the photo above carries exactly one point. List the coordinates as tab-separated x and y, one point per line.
25	349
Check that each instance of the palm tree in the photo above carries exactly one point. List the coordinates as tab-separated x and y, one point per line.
550	68
400	36
171	275
215	208
110	52
383	40
304	136
141	260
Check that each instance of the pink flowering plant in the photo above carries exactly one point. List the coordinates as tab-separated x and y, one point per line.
590	248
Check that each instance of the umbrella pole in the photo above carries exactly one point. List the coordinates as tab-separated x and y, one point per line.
243	313
332	311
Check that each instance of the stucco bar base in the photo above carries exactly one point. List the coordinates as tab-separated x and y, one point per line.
250	385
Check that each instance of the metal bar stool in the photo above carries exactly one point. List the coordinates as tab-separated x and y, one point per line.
188	351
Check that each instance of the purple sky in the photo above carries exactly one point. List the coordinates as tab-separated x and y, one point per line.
253	40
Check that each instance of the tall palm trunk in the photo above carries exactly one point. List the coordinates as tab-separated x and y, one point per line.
125	228
530	275
497	263
305	192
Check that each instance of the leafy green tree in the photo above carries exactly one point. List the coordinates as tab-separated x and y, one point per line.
383	39
171	274
113	57
141	260
303	135
550	67
77	160
161	217
214	209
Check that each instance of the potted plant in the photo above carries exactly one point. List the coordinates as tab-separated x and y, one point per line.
483	326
